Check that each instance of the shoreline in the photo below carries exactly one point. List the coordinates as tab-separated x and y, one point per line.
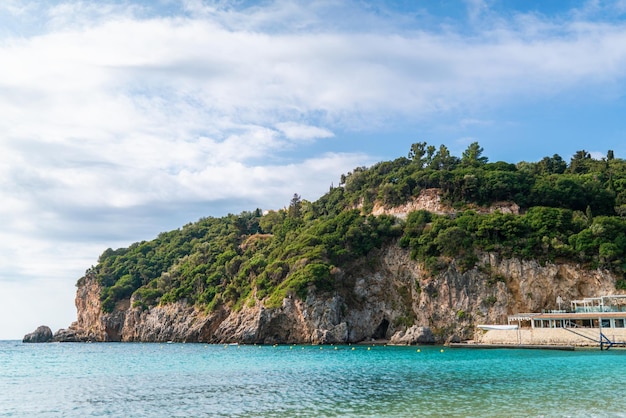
513	346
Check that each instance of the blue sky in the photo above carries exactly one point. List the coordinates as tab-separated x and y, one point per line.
122	119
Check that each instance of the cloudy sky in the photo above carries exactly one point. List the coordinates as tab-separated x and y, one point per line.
121	119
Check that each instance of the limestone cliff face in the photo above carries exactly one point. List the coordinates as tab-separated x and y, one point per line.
387	295
90	324
430	200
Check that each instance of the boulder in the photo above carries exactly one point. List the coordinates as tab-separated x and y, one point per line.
412	336
336	335
42	334
67	336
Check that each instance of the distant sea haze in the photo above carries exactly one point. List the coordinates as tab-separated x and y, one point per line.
161	380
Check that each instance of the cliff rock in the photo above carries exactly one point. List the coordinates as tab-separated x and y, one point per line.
386	296
430	200
412	336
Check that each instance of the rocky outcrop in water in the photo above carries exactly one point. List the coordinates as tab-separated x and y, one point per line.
388	296
42	334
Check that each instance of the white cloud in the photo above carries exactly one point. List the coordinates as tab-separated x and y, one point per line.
476	9
474	122
297	131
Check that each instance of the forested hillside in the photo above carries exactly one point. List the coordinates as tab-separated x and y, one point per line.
568	211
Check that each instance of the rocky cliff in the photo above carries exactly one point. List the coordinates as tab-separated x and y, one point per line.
431	200
386	296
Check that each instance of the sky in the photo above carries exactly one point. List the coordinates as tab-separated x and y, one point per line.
122	119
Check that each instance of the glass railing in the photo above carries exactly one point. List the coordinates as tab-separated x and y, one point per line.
594	309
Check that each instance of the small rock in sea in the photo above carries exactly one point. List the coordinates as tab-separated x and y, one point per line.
42	334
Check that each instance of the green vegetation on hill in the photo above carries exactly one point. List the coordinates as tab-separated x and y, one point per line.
571	212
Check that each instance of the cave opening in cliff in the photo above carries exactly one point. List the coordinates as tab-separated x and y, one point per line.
381	331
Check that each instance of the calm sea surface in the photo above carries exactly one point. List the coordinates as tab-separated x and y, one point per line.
193	380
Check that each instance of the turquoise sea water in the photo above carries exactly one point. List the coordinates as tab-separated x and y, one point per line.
193	380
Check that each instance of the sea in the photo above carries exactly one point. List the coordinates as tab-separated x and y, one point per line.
200	380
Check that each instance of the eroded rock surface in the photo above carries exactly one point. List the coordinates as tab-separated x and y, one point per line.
412	336
42	334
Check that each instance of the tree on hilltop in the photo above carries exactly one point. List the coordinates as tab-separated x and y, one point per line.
295	207
472	156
